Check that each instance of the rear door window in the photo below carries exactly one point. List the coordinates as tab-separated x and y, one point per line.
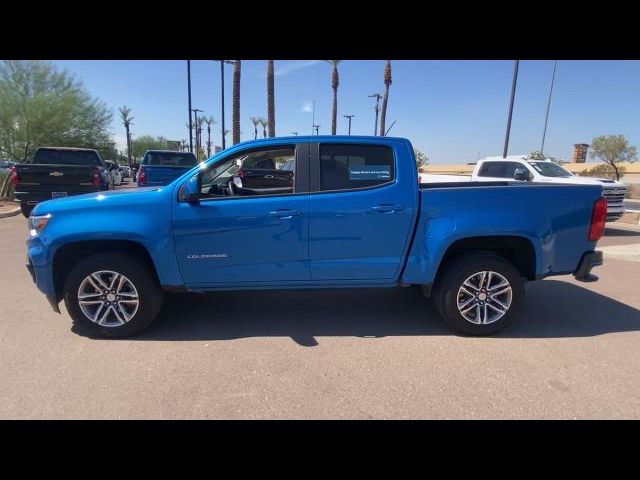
499	169
349	167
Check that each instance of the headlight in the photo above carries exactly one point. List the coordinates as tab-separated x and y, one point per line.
38	223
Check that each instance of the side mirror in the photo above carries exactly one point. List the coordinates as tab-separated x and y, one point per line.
521	174
190	190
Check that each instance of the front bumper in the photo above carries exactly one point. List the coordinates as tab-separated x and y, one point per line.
589	260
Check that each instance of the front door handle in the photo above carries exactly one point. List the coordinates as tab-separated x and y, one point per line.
284	214
387	208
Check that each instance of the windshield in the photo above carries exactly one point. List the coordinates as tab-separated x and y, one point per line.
550	169
170	159
66	157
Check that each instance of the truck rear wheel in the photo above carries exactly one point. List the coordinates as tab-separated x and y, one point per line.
479	294
112	294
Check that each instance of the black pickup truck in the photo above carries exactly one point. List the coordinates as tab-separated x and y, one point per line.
58	172
256	174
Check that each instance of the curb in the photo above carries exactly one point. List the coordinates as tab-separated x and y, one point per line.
10	213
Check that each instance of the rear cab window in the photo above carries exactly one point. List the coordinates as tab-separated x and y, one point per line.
170	159
351	167
67	157
500	169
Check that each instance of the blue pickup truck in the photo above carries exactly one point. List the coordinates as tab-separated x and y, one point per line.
353	215
161	167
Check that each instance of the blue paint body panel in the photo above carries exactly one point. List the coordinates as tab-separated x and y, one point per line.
334	239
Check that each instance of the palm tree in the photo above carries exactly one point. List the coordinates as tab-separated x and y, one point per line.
271	108
199	122
387	84
209	121
335	81
127	121
237	64
255	121
264	124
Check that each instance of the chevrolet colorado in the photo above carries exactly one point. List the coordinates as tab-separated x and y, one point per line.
355	216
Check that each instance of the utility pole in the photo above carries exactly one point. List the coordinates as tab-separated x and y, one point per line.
189	93
349	117
513	96
377	96
546	118
313	117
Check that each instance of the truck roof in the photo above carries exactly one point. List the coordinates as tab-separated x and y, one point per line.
72	149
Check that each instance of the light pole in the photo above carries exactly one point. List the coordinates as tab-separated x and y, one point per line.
222	62
513	96
294	133
546	118
316	127
377	96
189	94
349	117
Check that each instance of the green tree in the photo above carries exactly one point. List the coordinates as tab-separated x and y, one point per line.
271	108
335	82
613	150
209	121
538	155
127	121
264	124
255	121
41	105
421	159
387	84
147	142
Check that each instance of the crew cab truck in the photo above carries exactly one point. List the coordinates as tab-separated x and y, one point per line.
354	215
58	172
161	167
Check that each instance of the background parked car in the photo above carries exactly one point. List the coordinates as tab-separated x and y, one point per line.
114	172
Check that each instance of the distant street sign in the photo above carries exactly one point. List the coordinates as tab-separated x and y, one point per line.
174	145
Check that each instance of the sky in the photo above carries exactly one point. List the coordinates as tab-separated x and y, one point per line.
454	111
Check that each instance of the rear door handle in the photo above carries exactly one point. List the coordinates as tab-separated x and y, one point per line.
284	214
387	208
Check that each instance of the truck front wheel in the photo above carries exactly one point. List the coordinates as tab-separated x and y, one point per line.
479	294
112	294
26	209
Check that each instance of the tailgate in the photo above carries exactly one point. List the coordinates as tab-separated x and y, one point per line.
55	175
162	175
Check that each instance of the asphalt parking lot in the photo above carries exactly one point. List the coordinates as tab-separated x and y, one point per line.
575	353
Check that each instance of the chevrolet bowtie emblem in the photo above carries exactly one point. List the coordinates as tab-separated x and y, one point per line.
56	174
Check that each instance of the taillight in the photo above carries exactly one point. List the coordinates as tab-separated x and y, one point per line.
15	177
598	219
142	176
96	177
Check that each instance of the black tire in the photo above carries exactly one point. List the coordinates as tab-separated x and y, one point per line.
26	209
452	277
138	272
